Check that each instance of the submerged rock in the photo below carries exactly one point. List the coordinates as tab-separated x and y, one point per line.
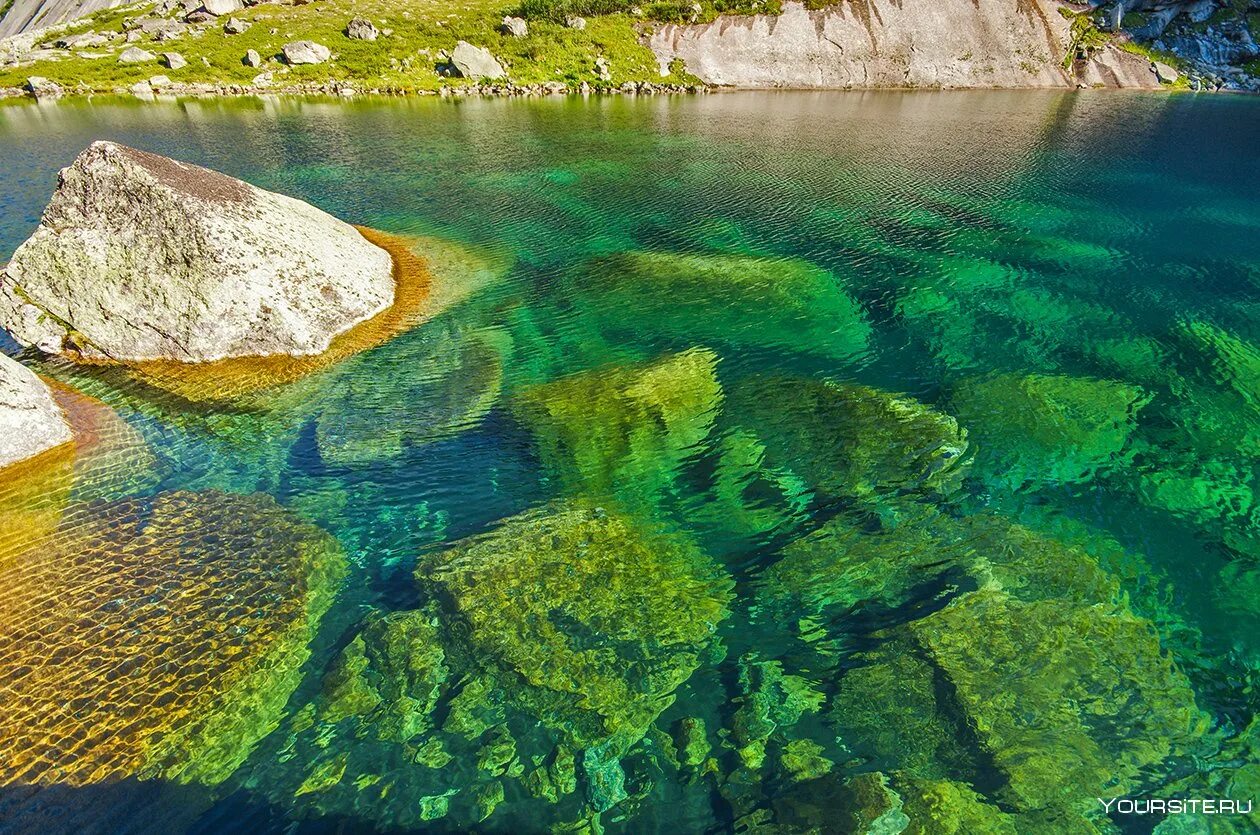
725	299
217	590
30	421
140	257
453	379
1044	428
623	429
1070	701
850	440
588	622
390	676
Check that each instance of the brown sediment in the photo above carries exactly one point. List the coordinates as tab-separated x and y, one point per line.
33	496
230	378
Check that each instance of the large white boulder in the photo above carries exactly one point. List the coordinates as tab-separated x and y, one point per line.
141	257
30	420
475	62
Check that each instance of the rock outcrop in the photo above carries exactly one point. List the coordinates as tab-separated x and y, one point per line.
140	257
30	420
880	43
29	15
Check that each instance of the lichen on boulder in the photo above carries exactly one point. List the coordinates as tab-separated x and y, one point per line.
584	619
783	303
224	591
141	257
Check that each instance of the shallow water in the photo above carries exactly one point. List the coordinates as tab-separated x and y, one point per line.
799	460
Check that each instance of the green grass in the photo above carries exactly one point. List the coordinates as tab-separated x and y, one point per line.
1087	38
404	61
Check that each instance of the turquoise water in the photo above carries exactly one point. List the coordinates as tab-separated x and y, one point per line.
827	462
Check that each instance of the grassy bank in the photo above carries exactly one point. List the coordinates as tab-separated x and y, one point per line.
405	58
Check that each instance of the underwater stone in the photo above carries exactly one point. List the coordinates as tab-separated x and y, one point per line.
692	738
802	759
486	798
864	803
30	421
850	440
726	299
605	778
223	590
770	699
1235	361
588	621
747	497
623	429
140	257
1046	429
497	756
1069	700
946	807
453	379
390	675
886	706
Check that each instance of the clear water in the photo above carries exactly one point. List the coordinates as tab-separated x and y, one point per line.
841	461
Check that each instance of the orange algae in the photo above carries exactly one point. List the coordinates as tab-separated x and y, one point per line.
33	496
230	378
156	637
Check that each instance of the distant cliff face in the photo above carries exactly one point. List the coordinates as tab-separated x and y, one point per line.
895	43
27	15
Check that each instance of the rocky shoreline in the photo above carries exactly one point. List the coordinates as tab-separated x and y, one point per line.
347	90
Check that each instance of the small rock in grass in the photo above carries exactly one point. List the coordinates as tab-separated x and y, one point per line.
157	82
475	62
235	26
173	61
306	52
42	88
578	23
252	58
514	26
361	29
1165	73
136	55
218	8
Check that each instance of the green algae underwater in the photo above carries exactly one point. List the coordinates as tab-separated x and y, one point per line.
775	463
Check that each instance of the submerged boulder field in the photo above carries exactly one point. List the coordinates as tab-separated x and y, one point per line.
141	257
30	420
